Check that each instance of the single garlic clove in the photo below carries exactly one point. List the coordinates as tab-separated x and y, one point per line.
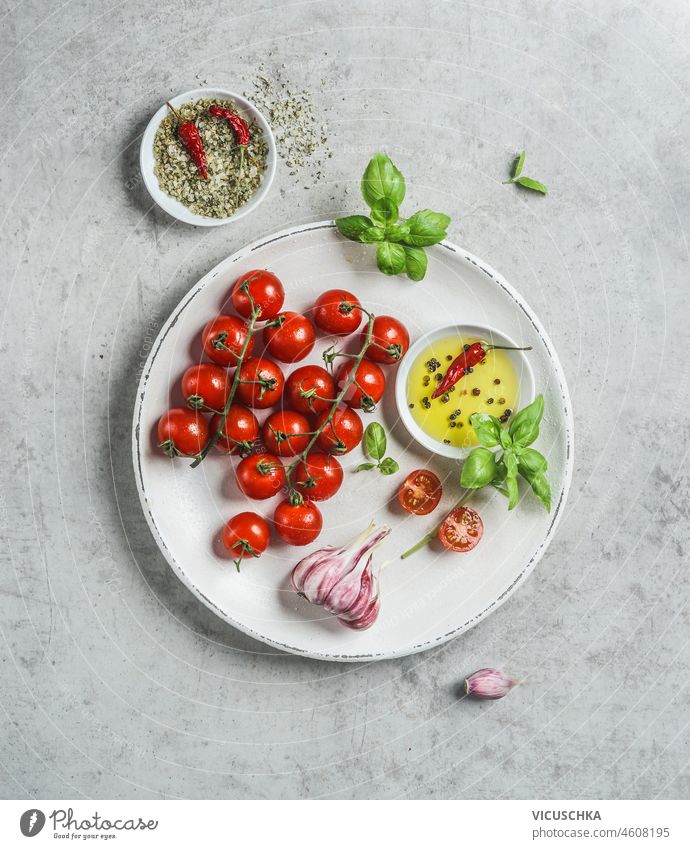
489	683
367	619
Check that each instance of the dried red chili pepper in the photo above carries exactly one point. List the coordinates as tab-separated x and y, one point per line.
239	126
190	137
465	363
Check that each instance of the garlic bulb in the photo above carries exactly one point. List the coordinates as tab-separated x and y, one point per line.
489	684
342	580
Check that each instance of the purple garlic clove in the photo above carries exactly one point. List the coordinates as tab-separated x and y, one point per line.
489	684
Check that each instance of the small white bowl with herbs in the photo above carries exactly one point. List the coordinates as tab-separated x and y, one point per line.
236	167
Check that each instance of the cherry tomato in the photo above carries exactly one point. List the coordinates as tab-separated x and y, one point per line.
298	524
336	312
292	340
342	434
260	475
265	384
239	431
389	340
461	530
310	379
266	291
223	338
420	492
367	387
318	477
246	535
286	433
206	385
182	432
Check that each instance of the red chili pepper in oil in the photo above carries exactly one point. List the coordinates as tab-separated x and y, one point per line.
464	364
190	137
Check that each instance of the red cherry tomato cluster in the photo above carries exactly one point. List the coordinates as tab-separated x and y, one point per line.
296	446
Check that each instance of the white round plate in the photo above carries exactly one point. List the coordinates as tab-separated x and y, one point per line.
172	206
431	596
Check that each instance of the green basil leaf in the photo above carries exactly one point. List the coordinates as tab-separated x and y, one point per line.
415	263
511	463
353	226
500	474
364	467
524	428
390	258
519	162
397	232
506	439
540	487
531	462
382	179
427	228
511	486
479	469
375	441
487	428
529	183
384	211
372	235
388	466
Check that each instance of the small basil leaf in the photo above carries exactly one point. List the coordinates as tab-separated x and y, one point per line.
382	179
415	263
388	466
384	211
397	232
479	469
540	487
531	462
375	441
427	228
353	226
511	486
500	474
506	439
524	428
487	428
364	467
511	464
519	162
390	258
372	235
529	183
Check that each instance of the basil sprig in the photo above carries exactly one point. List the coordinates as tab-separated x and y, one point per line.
515	458
401	241
375	446
526	182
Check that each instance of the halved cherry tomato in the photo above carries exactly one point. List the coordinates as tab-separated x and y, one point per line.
182	432
342	434
223	338
367	387
261	383
420	492
286	433
310	389
246	535
292	340
240	430
298	524
260	475
266	291
336	312
318	477
461	530
206	386
389	340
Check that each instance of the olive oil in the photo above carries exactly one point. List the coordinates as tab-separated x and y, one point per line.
492	387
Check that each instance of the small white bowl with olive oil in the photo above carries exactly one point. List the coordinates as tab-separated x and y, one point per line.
500	384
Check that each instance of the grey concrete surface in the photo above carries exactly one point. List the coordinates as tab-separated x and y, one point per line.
114	681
